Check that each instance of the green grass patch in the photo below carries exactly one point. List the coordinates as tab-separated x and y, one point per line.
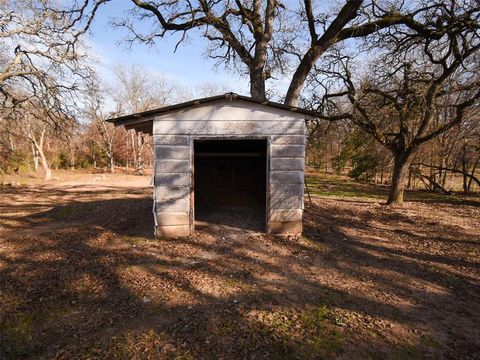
135	240
307	334
342	188
335	186
18	333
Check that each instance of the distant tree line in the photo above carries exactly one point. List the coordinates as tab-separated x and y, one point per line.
30	142
398	80
447	164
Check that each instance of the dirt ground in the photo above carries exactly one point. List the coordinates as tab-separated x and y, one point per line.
82	277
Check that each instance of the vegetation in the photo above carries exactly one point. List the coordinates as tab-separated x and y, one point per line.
82	277
417	98
30	142
395	86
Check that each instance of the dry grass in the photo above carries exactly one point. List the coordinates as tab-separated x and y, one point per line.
81	277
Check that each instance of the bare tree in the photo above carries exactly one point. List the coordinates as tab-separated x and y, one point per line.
107	133
104	134
138	89
425	83
35	133
33	126
42	54
43	68
262	38
456	152
208	89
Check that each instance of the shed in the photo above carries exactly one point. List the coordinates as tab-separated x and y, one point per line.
225	157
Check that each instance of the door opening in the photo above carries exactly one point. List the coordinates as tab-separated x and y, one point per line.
230	183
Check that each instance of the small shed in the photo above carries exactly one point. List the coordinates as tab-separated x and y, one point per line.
225	153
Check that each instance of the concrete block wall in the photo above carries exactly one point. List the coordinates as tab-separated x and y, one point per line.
174	134
172	185
286	180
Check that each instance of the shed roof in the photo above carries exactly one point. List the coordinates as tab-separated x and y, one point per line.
143	121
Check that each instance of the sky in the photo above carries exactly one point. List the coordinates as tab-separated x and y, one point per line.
188	66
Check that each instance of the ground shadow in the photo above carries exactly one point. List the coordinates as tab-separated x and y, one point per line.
239	217
84	279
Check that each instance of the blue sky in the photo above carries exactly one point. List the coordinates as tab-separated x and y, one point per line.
187	66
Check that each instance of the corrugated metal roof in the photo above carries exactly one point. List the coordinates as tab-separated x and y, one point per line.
146	115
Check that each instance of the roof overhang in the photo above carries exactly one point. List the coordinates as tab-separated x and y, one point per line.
143	121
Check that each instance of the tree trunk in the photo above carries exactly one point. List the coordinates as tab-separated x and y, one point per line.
11	142
257	84
399	176
35	158
472	174
43	160
300	75
140	165
464	169
134	152
72	158
112	164
107	134
329	37
37	147
127	160
110	157
443	175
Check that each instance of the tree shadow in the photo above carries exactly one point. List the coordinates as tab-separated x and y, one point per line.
426	269
85	279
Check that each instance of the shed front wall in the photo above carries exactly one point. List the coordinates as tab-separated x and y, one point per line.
173	136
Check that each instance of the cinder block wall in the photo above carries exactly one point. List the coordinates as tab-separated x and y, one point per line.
173	185
174	133
287	163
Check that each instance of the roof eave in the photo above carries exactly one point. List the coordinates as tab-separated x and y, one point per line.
149	114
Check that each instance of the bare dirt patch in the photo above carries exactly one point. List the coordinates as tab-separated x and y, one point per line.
82	277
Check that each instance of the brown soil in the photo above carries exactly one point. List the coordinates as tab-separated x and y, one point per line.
82	277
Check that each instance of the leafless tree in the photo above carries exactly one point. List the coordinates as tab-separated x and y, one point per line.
105	132
35	132
32	126
43	69
138	89
43	57
262	38
456	151
426	82
208	89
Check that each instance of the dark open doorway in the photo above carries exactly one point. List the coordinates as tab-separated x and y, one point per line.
230	182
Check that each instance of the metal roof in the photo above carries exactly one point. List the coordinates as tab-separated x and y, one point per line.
146	116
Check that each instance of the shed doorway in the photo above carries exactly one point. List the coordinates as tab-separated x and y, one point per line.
230	178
